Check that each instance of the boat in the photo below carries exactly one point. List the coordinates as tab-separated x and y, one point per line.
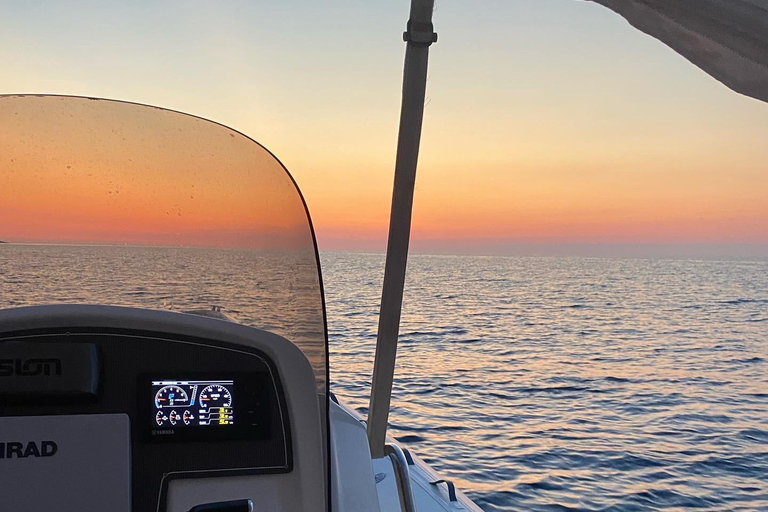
110	401
108	405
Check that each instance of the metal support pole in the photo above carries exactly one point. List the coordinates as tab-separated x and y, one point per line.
419	36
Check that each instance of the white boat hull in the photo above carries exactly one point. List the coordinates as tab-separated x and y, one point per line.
361	483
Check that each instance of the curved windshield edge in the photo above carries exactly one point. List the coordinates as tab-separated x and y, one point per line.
112	202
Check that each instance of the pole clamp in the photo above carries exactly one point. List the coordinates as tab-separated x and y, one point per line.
420	33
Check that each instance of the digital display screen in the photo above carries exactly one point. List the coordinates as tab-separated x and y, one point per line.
193	403
207	406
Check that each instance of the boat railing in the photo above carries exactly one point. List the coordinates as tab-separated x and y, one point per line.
402	475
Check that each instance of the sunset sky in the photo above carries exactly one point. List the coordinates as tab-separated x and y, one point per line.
550	123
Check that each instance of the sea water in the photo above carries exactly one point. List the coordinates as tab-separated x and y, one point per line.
547	384
557	384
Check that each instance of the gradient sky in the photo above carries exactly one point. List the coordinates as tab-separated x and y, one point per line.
548	123
139	175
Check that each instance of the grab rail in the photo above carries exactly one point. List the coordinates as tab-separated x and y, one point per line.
451	488
403	476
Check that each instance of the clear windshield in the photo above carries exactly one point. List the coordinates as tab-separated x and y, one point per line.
104	202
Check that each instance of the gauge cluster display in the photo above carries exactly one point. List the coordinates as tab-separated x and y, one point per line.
193	403
207	406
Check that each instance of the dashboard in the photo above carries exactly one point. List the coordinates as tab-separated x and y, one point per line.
167	407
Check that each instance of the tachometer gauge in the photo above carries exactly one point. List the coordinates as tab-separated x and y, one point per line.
215	395
171	396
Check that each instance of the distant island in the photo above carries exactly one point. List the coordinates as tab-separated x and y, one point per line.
1	242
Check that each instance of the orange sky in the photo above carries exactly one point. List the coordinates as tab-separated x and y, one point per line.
547	121
161	177
97	171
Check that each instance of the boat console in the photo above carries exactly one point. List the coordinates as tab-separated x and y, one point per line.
122	409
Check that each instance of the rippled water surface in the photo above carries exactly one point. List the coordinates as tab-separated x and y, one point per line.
560	384
276	290
547	384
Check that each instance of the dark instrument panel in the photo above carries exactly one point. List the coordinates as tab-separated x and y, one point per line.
197	407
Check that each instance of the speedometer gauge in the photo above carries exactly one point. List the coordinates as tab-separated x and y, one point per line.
171	396
186	405
215	395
